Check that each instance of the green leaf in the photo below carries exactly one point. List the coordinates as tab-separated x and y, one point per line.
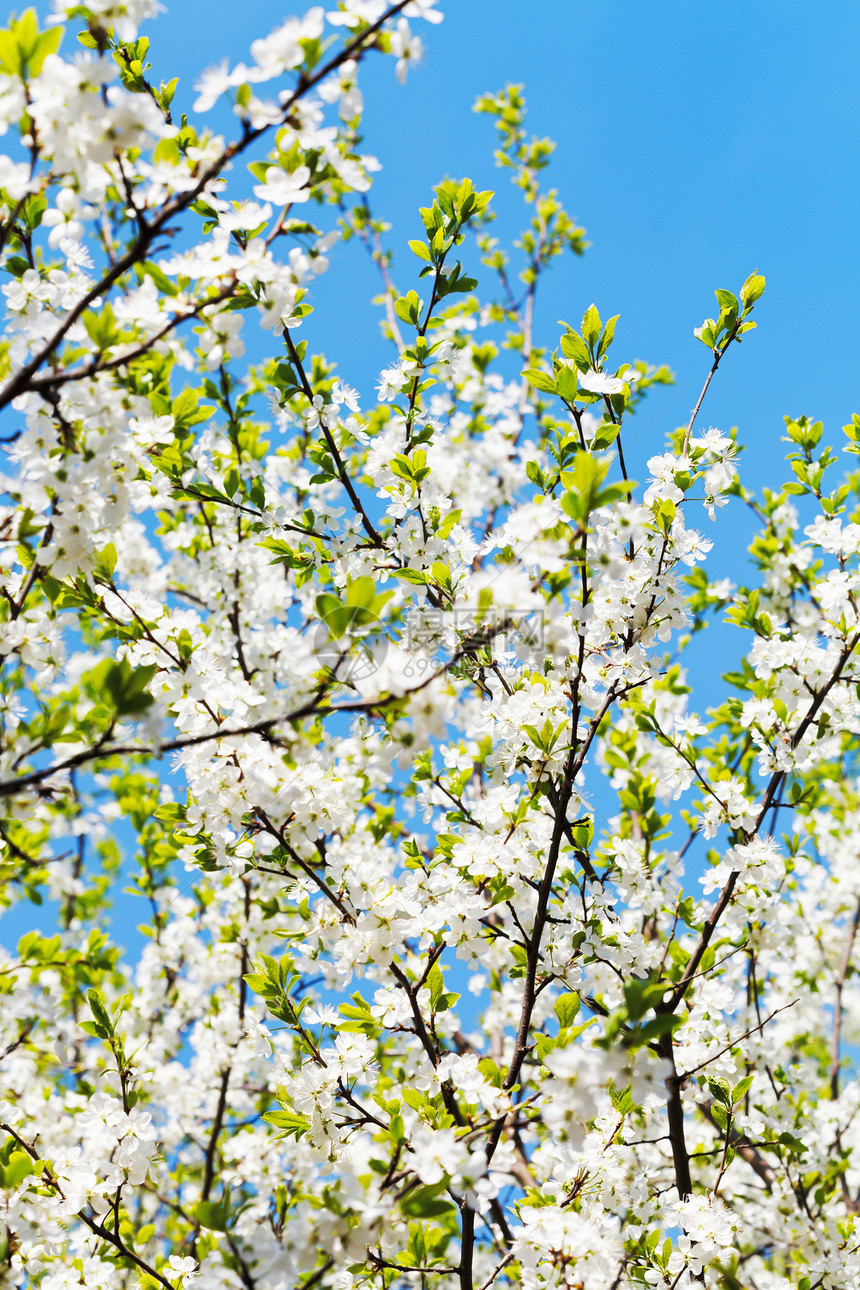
753	289
101	326
94	1029
408	308
105	563
159	277
539	380
591	326
727	300
720	1089
444	529
435	983
491	1071
607	336
126	686
504	893
605	435
289	1123
741	1089
360	592
338	618
283	553
426	1202
19	1166
441	574
566	383
100	1013
653	1029
566	1008
640	995
573	347
415	576
721	1116
167	92
794	1144
582	481
212	1216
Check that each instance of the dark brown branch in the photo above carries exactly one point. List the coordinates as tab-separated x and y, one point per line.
307	869
99	365
675	1117
467	1245
212	1144
369	527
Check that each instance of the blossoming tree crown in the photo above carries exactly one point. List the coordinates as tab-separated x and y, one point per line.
379	706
